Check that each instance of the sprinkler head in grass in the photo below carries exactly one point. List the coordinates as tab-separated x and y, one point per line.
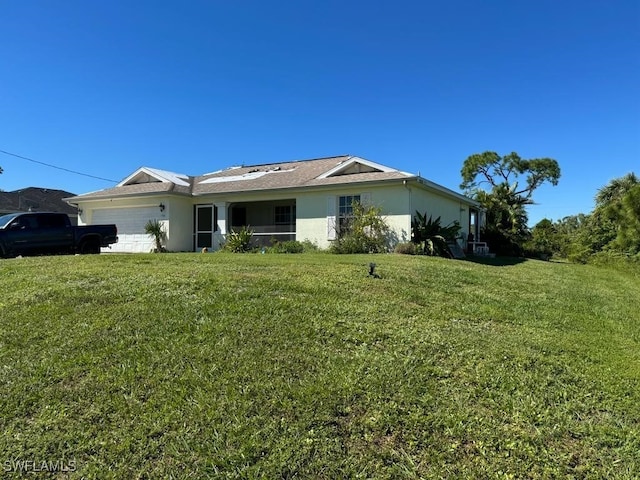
372	270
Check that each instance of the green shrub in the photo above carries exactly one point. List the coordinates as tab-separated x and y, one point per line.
366	232
431	237
617	260
155	229
291	246
239	241
536	254
407	248
308	246
579	253
349	244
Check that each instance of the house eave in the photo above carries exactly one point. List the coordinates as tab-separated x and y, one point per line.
79	199
428	184
412	179
305	188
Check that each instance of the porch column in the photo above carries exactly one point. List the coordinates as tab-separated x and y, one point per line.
220	233
482	220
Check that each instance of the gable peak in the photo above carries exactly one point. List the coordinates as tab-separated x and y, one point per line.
154	175
355	165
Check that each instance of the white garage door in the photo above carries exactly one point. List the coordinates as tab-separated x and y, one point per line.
130	223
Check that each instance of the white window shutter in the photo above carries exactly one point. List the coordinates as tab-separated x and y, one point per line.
365	199
331	218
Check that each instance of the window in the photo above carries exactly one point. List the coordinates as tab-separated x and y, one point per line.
238	216
345	210
52	221
24	222
28	221
283	215
345	205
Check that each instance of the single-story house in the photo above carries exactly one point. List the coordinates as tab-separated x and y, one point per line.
296	200
38	199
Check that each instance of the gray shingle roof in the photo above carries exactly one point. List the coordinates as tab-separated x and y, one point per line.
37	199
135	189
273	176
284	175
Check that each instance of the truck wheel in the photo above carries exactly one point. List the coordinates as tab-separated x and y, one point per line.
88	247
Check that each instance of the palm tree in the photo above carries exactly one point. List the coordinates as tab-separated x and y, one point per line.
628	214
616	189
155	229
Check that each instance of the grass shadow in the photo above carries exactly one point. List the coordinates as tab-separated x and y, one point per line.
495	261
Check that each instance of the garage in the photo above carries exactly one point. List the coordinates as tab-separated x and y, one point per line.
130	223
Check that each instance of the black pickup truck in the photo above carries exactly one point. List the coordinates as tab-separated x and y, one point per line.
35	233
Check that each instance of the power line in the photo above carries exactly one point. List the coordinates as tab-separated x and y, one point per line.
58	168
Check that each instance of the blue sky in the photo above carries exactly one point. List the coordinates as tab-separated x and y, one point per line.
194	86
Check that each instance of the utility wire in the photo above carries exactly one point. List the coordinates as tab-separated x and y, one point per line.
59	168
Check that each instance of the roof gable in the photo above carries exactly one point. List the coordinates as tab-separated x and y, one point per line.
354	166
154	175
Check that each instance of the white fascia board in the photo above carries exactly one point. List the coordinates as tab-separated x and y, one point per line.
347	163
447	191
163	176
128	196
172	177
130	177
75	198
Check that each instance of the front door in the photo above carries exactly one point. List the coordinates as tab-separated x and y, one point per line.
205	226
474	228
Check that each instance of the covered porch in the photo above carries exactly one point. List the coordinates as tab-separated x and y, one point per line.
475	245
269	221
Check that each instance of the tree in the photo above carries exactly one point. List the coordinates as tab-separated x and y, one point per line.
618	207
628	238
155	229
502	171
544	239
569	229
616	189
511	181
611	229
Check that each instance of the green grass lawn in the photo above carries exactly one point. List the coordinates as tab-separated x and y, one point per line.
303	366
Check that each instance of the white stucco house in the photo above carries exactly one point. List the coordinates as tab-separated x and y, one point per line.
297	200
